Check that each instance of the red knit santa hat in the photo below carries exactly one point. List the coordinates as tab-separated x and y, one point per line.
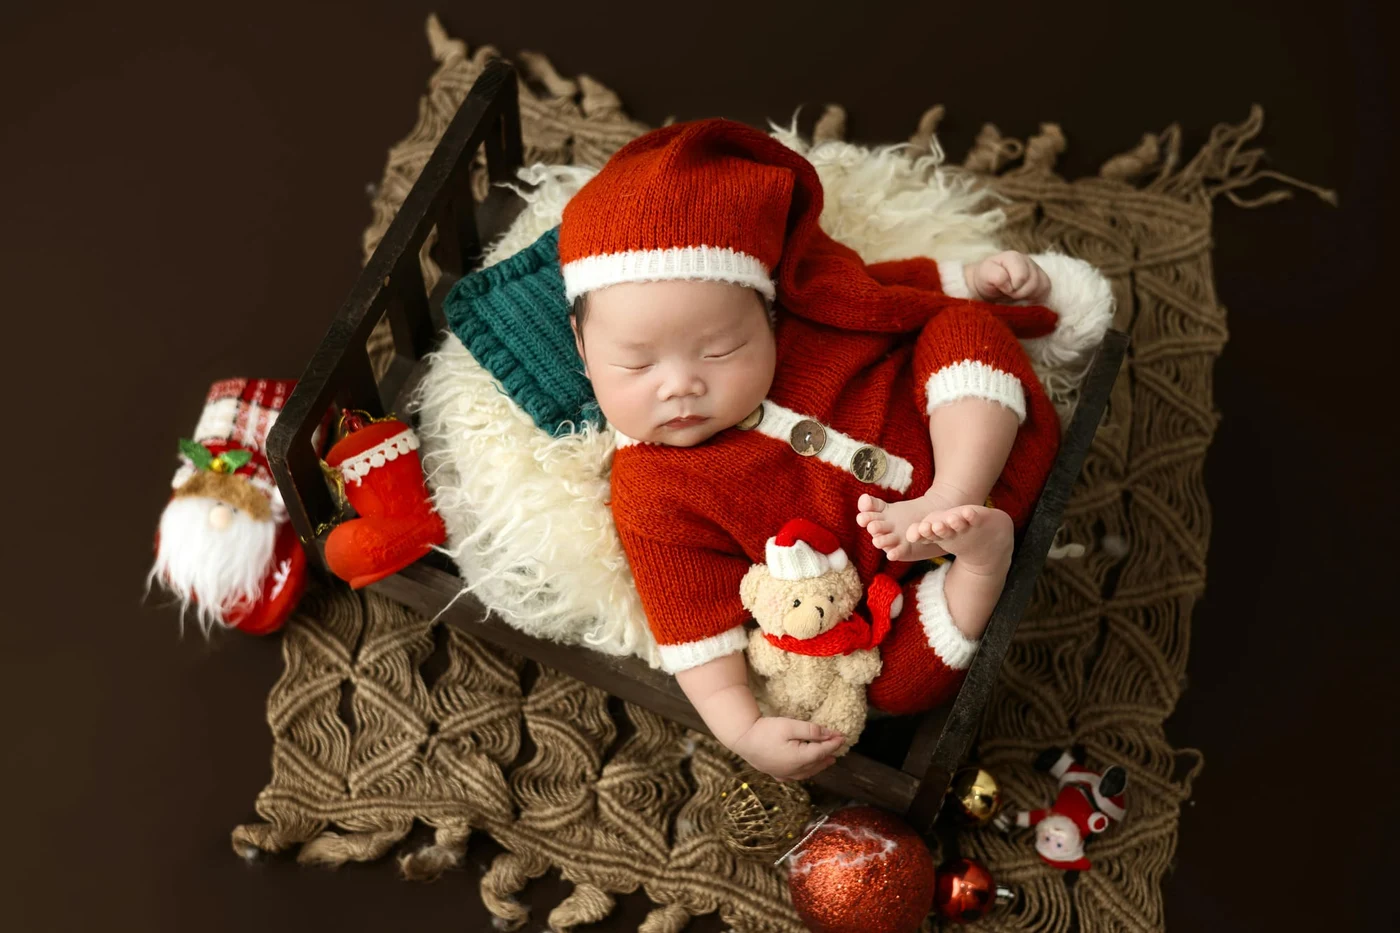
720	201
802	550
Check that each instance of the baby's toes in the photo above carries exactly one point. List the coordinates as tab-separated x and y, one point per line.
880	526
885	541
897	552
868	503
958	522
968	514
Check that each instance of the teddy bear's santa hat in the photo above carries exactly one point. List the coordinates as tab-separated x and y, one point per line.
802	550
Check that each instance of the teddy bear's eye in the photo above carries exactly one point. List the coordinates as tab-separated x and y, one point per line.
831	599
796	603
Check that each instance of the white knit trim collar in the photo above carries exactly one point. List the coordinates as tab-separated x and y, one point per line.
705	263
953	647
356	468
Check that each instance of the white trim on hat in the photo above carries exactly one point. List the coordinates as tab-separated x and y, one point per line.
704	263
801	561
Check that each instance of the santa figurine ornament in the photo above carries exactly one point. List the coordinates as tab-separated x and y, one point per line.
1088	801
225	547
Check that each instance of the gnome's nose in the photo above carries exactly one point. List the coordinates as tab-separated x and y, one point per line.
220	517
804	620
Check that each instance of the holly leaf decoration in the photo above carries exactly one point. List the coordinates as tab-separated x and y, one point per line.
199	454
233	459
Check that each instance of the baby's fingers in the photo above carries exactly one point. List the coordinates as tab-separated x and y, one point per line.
813	752
996	279
809	731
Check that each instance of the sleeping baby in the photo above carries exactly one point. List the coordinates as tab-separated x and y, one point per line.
757	371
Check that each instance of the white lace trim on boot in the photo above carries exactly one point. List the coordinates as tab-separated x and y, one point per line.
357	467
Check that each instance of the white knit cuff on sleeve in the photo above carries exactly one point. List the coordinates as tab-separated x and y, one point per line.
971	379
684	656
952	647
953	279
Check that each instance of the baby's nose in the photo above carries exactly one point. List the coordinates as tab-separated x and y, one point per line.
680	382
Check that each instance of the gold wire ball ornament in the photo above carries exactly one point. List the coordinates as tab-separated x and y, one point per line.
761	817
976	795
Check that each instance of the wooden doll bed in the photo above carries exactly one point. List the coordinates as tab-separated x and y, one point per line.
904	765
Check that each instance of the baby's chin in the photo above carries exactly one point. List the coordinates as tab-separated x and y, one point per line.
690	435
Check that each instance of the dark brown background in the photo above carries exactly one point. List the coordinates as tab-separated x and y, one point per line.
184	195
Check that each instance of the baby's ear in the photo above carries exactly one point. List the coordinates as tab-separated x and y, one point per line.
578	342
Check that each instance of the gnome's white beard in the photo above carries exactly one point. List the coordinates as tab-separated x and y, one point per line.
212	569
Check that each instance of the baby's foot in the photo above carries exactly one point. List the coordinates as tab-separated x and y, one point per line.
981	538
888	524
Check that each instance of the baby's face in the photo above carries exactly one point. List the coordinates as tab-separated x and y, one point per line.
677	362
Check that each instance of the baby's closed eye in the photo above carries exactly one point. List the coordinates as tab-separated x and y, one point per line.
719	355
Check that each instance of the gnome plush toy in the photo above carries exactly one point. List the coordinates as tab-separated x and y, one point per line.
225	547
1087	803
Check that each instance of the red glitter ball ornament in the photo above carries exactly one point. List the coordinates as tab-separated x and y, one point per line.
862	871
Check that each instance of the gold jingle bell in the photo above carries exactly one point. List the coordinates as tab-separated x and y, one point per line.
977	796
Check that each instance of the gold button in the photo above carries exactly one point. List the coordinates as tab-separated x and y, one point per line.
752	420
869	464
808	437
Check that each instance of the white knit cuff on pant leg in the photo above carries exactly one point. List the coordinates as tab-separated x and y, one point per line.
971	379
952	647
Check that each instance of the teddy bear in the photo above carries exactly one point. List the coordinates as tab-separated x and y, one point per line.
813	649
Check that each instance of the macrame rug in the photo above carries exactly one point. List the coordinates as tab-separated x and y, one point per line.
444	730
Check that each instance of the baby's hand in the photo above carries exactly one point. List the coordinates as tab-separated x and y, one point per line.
1008	276
788	749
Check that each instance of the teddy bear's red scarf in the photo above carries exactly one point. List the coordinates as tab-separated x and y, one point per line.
853	634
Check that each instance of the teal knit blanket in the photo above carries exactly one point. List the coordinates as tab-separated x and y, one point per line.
513	318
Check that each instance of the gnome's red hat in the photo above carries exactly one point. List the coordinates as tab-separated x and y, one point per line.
237	415
716	200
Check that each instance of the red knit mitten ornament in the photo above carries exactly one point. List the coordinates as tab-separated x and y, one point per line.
384	482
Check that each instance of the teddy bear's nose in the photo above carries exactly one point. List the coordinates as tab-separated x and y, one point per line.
804	621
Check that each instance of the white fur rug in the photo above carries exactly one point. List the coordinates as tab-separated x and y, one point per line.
527	515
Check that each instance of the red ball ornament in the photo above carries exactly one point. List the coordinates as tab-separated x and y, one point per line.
966	892
862	870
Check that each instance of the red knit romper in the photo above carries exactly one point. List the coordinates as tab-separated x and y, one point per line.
847	414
